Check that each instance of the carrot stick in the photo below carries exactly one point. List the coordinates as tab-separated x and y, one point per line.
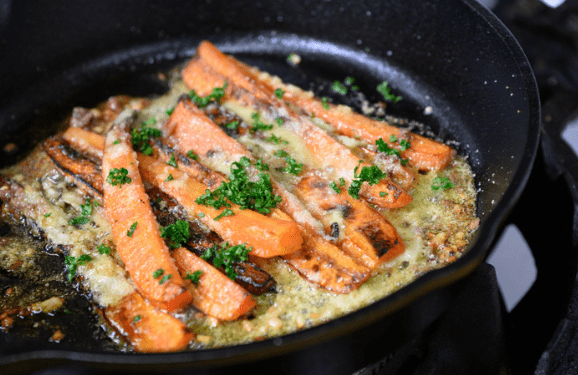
211	68
359	230
135	229
216	294
147	329
424	153
268	237
85	140
318	261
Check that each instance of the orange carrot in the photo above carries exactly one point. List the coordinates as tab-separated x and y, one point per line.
85	140
134	227
359	230
318	261
212	68
268	237
147	329
216	294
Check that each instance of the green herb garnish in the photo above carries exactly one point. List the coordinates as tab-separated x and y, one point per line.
293	167
140	137
226	212
384	90
339	88
176	233
172	162
382	146
131	230
372	175
169	178
334	186
324	102
279	93
227	256
443	183
158	273
194	277
118	177
216	94
191	154
72	263
103	249
258	124
232	125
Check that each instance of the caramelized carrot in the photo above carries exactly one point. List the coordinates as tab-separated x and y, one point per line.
85	140
211	68
268	237
134	227
359	230
318	260
147	329
216	294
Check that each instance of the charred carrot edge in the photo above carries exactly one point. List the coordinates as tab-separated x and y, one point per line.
367	235
215	295
135	229
268	237
147	329
318	261
212	68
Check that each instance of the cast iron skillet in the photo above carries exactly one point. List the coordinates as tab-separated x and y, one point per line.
452	55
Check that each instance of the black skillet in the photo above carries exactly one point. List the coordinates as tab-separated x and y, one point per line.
451	55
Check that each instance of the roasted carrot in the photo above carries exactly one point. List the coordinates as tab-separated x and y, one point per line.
424	153
215	294
250	277
147	329
134	227
268	237
70	163
85	141
319	260
359	230
211	68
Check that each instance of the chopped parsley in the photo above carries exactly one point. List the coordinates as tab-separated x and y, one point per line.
85	211
372	175
194	277
118	177
339	88
226	212
158	273
176	233
116	141
277	140
261	166
140	137
136	318
47	214
334	186
280	121
165	278
324	102
72	263
382	146
172	162
279	93
132	228
170	111
169	177
293	167
258	124
227	256
233	125
191	154
216	94
384	90
443	183
103	249
255	195
201	214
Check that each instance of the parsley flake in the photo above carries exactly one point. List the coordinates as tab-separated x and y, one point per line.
226	212
103	249
339	88
279	93
227	256
140	137
293	167
72	263
191	154
216	95
172	162
118	177
194	277
372	175
384	90
131	230
176	233
443	183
